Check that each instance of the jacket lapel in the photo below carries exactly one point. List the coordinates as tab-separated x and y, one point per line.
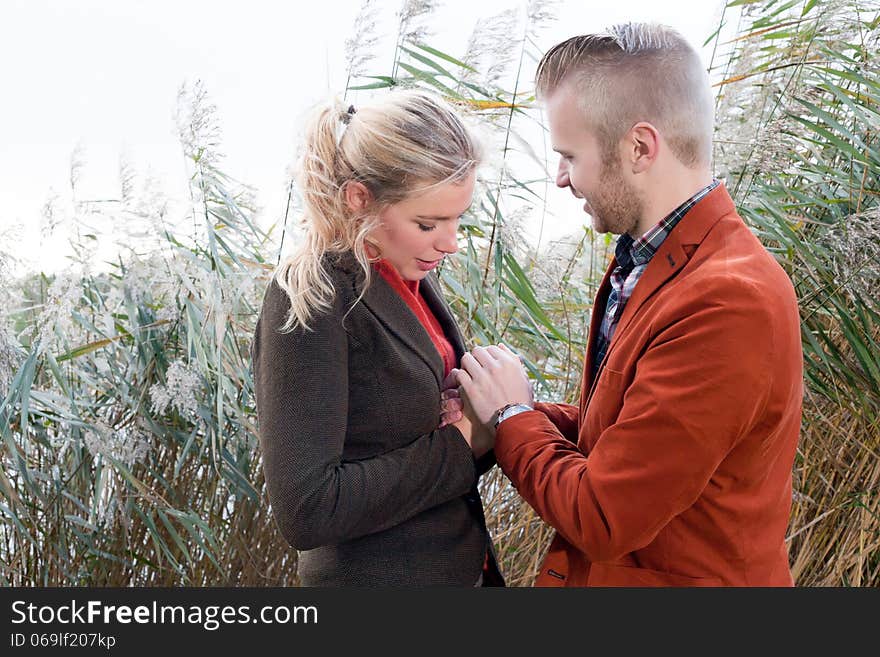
392	311
673	254
430	289
595	323
670	258
667	262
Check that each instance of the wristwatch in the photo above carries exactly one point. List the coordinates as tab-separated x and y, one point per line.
509	411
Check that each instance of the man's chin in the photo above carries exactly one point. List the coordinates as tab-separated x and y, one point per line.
601	226
598	225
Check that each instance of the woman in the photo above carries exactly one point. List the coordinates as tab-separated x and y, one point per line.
352	346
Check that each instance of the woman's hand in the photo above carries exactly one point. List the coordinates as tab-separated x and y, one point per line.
451	406
455	411
479	437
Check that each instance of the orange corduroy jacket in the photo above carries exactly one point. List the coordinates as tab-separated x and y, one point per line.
675	468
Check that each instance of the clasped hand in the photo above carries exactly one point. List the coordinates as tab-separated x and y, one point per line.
489	378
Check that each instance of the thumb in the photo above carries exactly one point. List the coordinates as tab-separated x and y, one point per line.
451	380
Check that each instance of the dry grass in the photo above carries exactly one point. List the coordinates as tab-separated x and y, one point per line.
834	537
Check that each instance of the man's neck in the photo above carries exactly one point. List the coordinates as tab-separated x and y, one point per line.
667	196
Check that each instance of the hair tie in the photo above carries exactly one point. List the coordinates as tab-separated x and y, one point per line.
344	120
346	116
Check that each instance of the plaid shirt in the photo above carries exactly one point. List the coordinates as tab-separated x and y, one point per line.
633	256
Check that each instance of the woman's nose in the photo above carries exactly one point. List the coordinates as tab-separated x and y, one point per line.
448	242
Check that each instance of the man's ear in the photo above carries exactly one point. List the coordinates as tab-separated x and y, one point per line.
643	146
357	197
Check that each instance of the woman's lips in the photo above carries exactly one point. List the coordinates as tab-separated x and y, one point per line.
427	265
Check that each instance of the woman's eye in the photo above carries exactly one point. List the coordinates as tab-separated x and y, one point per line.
426	227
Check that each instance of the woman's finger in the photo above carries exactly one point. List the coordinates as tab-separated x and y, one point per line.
494	351
451	380
454	404
450	393
450	418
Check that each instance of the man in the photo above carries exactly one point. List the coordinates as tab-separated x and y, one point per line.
675	468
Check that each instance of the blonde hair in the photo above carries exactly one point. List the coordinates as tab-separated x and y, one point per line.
636	72
399	146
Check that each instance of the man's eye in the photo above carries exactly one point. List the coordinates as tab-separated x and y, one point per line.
426	227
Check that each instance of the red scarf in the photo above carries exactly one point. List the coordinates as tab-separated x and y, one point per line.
409	292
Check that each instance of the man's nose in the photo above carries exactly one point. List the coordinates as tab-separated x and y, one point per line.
562	179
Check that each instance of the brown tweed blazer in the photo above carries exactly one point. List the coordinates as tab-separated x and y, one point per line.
360	479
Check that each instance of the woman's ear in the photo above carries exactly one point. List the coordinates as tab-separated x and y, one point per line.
357	196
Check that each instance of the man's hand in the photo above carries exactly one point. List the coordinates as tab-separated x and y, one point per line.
492	377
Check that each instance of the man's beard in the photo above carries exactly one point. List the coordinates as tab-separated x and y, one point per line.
616	205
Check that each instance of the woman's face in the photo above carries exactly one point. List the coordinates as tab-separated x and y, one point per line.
414	235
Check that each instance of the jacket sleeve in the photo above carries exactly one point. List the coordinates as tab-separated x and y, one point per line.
701	384
563	416
485	463
301	385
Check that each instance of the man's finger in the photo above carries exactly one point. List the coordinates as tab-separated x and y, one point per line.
510	351
464	378
470	365
483	356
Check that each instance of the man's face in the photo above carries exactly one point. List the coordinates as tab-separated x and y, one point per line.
590	173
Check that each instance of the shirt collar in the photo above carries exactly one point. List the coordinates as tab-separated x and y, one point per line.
631	252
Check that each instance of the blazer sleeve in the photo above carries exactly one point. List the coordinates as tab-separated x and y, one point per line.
701	385
485	463
563	416
301	386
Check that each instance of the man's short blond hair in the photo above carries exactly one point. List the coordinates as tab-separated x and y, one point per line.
636	72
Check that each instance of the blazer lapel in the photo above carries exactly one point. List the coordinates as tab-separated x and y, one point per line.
670	258
672	255
667	262
431	290
595	323
392	311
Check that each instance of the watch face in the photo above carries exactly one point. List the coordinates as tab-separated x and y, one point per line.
512	409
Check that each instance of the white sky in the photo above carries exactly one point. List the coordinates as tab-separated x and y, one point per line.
104	76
